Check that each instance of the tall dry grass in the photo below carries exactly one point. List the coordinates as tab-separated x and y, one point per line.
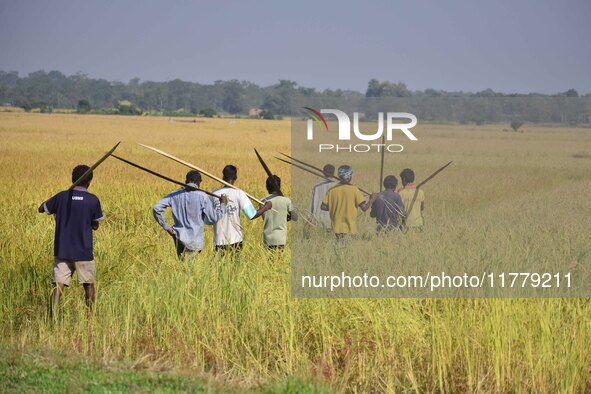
234	319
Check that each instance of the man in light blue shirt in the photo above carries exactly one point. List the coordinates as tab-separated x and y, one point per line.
191	209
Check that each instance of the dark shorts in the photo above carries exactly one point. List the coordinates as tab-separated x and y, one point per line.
345	236
181	249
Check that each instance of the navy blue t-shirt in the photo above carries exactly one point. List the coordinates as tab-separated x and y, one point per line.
386	209
74	210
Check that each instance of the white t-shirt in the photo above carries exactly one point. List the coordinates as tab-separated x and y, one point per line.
228	230
318	193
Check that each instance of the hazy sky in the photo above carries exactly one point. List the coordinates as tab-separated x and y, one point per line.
507	45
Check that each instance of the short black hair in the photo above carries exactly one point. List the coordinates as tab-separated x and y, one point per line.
390	182
80	170
328	169
193	176
271	185
407	176
230	173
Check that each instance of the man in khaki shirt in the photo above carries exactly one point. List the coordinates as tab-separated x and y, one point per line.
414	219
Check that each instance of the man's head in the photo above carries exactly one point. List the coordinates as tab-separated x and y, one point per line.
78	171
345	173
230	173
328	170
390	182
271	188
193	176
407	176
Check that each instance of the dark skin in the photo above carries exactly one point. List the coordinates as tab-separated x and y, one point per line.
89	290
268	205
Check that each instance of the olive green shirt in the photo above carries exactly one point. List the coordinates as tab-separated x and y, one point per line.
275	227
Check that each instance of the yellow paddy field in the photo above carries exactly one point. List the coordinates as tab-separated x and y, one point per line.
235	322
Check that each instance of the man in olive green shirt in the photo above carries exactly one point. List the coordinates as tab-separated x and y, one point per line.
275	227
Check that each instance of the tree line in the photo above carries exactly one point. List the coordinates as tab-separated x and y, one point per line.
47	90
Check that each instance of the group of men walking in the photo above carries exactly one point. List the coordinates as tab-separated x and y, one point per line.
335	202
192	209
334	205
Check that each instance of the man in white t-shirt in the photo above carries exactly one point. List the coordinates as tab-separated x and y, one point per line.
318	193
227	232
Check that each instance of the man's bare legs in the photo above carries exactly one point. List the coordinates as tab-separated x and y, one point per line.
59	289
55	299
89	292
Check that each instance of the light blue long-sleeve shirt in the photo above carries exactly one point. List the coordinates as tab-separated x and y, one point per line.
190	209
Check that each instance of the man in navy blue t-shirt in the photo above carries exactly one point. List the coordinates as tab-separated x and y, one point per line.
77	212
387	206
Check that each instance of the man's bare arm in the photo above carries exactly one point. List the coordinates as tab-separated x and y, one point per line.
365	205
268	205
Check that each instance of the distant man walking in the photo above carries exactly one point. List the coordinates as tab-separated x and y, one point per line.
387	206
77	213
190	208
275	227
318	193
342	202
414	219
227	232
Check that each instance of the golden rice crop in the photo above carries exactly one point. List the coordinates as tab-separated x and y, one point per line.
234	320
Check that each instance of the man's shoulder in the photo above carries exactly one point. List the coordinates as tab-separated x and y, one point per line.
230	192
85	194
91	196
325	182
391	194
275	199
286	200
224	190
175	193
338	187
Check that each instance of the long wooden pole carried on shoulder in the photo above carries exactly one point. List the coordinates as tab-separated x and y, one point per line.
200	170
414	196
186	186
95	165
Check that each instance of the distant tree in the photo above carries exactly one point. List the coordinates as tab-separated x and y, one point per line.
373	88
432	93
271	104
376	88
56	76
394	89
486	93
267	114
516	124
83	106
208	112
29	105
230	96
125	107
571	93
